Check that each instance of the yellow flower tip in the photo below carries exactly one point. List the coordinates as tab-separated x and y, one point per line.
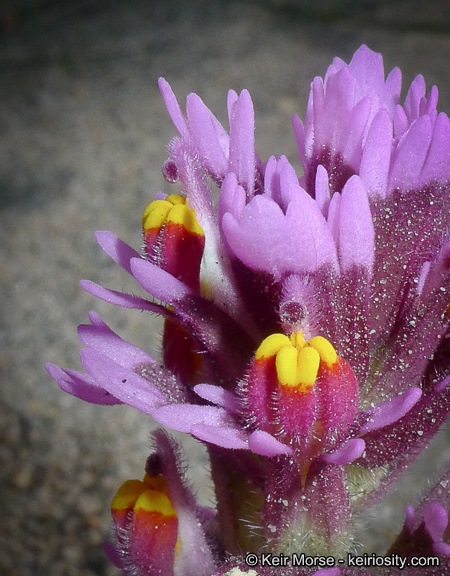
176	199
159	210
325	349
183	215
286	366
128	494
297	368
156	214
307	366
173	209
271	345
297	361
155	501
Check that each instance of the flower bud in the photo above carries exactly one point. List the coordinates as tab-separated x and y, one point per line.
146	525
159	529
173	239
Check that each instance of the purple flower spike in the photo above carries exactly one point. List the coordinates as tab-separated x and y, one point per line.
306	336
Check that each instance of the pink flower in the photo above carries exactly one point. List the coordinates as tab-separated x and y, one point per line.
306	337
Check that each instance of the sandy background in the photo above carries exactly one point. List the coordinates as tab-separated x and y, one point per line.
83	132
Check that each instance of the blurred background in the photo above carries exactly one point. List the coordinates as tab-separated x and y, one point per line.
83	133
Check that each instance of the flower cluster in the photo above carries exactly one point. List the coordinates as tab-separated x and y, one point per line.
306	335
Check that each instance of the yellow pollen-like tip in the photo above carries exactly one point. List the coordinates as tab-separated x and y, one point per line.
326	351
154	501
159	210
286	366
128	494
155	214
175	199
271	345
308	366
183	215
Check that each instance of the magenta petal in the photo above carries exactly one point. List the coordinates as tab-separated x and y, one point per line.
266	239
437	163
356	233
322	189
116	249
182	417
350	451
173	107
96	320
367	67
376	156
265	444
269	254
441	548
390	411
121	299
391	90
351	137
105	341
414	97
436	520
80	385
242	141
210	137
157	281
328	572
218	396
410	156
299	133
232	98
122	382
232	197
226	437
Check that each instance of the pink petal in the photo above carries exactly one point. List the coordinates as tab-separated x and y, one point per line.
121	299
231	438
157	282
173	108
390	411
116	249
436	520
376	156
350	451
80	385
122	382
265	444
356	233
182	417
242	141
105	341
208	134
410	156
218	396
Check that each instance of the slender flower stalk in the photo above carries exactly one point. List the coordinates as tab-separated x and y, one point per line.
306	332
